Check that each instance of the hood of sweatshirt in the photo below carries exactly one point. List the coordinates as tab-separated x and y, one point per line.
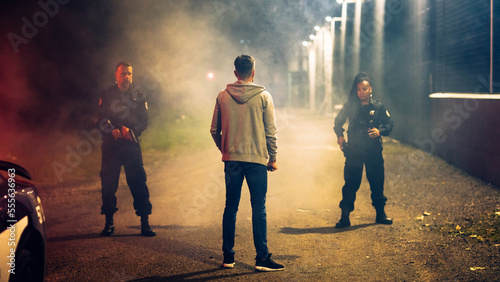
243	91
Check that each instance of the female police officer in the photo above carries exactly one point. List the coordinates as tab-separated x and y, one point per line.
368	121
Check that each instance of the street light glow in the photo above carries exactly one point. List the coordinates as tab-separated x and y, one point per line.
305	43
328	19
316	28
312	36
340	1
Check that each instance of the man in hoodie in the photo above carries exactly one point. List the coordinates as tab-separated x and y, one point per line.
244	129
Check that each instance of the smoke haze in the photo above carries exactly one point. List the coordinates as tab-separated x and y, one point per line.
56	56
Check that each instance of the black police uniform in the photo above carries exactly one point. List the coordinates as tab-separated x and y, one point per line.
361	149
117	109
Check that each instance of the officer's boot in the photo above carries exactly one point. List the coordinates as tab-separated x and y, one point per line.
108	227
344	220
145	228
382	217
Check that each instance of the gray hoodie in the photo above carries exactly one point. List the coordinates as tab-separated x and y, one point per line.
244	123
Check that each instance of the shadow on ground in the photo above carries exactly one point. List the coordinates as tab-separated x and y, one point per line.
321	230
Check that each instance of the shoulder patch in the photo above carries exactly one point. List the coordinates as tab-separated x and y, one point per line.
100	101
146	105
387	113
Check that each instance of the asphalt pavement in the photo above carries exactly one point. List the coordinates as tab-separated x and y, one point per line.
429	200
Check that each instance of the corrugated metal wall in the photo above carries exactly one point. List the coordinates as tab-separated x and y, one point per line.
444	46
462	45
468	128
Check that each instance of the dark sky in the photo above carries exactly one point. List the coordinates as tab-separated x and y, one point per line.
56	56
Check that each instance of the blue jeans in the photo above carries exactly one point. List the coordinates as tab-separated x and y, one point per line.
256	176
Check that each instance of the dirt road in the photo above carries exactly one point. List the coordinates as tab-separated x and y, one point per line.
187	192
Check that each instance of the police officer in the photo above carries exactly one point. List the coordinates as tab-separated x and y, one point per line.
122	118
368	121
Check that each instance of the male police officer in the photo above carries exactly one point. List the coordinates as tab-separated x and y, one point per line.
122	118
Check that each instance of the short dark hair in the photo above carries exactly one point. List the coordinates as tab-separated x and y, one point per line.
122	64
244	65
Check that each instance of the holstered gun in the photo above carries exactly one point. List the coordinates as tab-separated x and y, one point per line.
345	148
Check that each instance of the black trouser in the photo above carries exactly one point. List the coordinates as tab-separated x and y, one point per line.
353	172
116	154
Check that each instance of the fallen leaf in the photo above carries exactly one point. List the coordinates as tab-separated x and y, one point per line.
419	218
426	213
477	268
458	227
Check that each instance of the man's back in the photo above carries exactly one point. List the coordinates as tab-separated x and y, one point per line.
244	117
